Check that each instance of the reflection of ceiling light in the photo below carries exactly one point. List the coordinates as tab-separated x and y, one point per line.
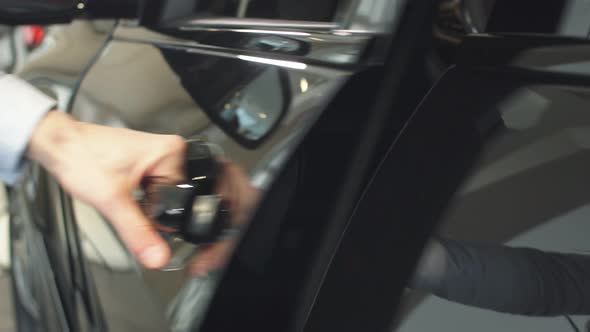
175	211
280	63
199	178
274	32
81	5
304	85
262	115
184	186
342	33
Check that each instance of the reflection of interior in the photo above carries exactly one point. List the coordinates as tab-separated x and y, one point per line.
110	263
533	170
573	21
530	189
116	92
376	15
117	86
56	64
65	51
99	242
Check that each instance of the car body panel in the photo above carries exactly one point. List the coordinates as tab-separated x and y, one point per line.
316	255
126	77
160	104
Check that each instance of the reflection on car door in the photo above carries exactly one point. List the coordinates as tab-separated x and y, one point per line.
498	148
163	82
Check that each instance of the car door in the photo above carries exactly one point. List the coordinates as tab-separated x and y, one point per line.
276	88
496	153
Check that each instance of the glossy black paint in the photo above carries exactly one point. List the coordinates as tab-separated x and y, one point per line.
284	285
319	249
394	218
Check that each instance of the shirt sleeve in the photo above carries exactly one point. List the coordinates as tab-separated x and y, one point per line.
22	106
519	281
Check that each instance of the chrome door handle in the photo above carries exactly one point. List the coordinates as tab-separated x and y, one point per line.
190	209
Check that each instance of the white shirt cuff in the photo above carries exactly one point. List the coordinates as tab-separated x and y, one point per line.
22	106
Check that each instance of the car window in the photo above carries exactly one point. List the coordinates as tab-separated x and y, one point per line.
563	17
529	189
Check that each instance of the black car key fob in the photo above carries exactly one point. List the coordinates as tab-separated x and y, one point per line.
191	209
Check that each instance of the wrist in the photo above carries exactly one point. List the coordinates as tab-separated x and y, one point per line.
51	137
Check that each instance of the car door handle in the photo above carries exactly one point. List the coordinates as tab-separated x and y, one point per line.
190	209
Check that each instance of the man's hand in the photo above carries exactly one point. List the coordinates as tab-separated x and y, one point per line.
102	166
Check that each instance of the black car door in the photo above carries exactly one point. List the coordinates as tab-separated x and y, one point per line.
301	106
498	151
293	97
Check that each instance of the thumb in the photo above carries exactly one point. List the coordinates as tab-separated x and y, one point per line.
137	231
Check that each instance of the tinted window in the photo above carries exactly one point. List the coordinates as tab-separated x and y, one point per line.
563	17
528	190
